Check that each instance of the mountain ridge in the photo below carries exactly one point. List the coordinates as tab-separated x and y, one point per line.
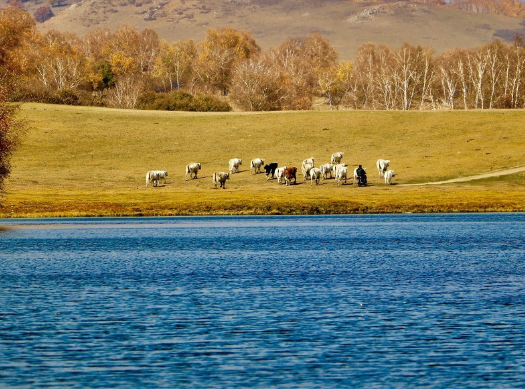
346	24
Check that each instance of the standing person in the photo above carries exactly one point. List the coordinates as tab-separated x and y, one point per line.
361	173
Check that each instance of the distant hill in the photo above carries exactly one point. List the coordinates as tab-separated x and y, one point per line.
346	24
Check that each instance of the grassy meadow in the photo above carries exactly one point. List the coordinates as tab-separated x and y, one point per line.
85	161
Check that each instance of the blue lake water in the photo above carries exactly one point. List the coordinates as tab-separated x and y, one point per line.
394	301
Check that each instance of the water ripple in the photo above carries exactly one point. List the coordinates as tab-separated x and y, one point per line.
434	301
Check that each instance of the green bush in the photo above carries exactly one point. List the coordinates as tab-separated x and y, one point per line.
181	101
67	97
48	96
210	104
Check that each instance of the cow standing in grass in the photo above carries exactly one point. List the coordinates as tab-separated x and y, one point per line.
280	174
270	169
308	161
315	175
162	174
152	177
290	173
256	164
341	175
305	170
335	168
155	176
382	165
192	168
234	165
336	158
219	178
388	176
325	169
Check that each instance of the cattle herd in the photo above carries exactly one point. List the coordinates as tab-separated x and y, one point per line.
336	169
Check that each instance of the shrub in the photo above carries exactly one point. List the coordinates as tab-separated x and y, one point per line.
50	96
43	13
181	101
67	97
210	104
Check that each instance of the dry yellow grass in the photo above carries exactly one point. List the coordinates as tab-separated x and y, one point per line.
81	161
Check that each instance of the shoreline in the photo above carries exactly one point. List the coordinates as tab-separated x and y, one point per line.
33	211
12	221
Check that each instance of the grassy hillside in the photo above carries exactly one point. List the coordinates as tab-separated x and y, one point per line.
346	24
92	161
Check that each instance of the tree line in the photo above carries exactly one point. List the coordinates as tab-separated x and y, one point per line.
127	68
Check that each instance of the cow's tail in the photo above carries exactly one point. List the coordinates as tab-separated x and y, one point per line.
147	179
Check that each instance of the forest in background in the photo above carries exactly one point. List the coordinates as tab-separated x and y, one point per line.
126	68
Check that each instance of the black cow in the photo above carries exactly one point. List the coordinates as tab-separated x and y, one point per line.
270	169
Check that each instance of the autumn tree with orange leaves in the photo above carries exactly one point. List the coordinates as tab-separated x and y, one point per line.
15	27
217	55
115	68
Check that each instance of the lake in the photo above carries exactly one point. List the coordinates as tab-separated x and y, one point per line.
375	301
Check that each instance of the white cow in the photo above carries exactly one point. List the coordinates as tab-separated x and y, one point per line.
315	175
152	176
193	167
219	178
325	169
256	164
162	175
155	176
234	165
342	173
305	169
280	174
388	176
336	157
335	168
308	161
382	165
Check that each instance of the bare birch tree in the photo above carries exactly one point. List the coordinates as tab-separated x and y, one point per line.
477	62
256	86
449	78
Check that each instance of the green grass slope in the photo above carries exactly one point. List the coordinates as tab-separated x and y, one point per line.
92	161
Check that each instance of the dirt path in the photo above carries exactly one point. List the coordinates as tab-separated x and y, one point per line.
495	173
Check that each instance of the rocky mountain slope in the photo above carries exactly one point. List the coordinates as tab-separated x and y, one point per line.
346	24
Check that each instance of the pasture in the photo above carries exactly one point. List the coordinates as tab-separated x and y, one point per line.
85	161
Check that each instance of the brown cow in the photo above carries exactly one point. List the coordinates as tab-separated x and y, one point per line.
289	174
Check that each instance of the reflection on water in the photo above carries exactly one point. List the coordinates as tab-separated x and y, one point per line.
429	301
